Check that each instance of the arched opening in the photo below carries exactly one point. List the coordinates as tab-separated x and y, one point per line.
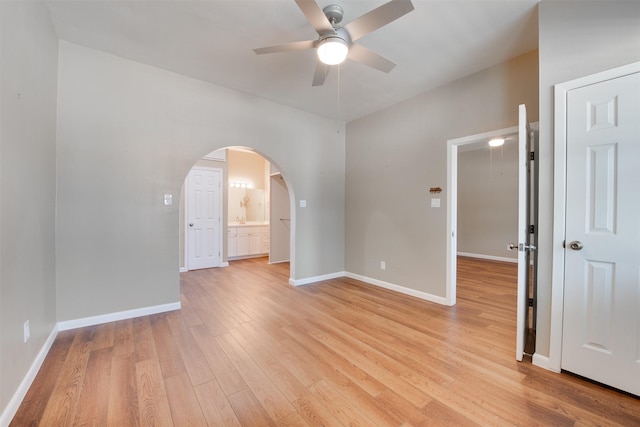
251	202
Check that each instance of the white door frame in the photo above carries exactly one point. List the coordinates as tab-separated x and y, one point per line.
559	199
452	202
186	216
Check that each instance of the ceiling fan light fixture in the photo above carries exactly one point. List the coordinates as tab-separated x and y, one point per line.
333	51
496	142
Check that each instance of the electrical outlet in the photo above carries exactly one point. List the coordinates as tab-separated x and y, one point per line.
27	331
383	265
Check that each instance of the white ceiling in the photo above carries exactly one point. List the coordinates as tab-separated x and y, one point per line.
212	40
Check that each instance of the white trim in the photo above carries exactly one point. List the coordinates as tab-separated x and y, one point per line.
17	398
452	201
398	288
224	264
183	269
223	227
489	257
542	362
308	280
120	315
559	200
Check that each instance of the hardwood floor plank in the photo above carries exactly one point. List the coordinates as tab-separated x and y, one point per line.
166	347
293	362
249	411
286	382
269	396
185	408
61	407
153	405
194	361
214	404
144	343
104	336
90	411
225	373
248	349
331	399
123	407
34	403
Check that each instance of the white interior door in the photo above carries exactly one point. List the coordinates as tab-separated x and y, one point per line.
524	246
601	321
204	218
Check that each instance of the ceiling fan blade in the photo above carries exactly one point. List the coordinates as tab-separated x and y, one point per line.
315	16
320	75
287	47
378	17
368	57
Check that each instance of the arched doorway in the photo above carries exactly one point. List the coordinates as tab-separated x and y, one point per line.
256	210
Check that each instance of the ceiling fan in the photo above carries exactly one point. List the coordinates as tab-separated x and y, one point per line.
336	43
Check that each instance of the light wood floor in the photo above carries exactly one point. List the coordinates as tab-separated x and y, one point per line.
248	349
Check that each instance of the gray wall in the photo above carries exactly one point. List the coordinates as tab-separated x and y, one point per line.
27	194
127	134
396	155
576	39
488	200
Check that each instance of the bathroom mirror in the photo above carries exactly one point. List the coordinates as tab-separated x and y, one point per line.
247	204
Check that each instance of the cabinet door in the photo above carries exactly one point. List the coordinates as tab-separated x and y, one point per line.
231	242
232	246
242	245
255	243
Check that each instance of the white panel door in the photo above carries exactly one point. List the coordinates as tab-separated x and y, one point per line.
524	246
204	218
601	321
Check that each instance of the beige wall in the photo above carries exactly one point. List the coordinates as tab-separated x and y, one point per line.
576	39
129	133
396	155
28	79
488	200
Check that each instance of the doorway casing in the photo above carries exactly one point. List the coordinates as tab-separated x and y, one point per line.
452	202
554	361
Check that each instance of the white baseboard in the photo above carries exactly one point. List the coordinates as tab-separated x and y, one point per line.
11	409
397	288
309	280
542	362
183	269
489	257
120	315
224	264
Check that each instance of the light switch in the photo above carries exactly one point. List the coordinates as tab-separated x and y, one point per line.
435	203
303	203
168	199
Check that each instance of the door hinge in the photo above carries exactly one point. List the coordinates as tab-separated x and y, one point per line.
532	229
530	302
532	155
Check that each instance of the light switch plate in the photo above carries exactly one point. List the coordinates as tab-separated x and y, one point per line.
303	203
435	203
168	199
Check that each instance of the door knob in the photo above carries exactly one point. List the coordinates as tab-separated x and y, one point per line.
576	245
190	224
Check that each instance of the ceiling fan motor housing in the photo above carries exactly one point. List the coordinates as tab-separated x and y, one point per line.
334	13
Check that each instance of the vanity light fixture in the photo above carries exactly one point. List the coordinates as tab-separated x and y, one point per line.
240	185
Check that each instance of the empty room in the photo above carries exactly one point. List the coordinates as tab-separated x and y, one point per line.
227	227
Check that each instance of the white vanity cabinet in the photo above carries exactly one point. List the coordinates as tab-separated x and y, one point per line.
247	240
